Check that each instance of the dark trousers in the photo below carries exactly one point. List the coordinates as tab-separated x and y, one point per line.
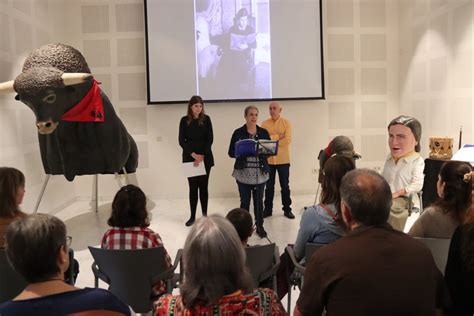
246	191
198	185
284	177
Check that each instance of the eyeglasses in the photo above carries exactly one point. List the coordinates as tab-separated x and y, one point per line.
68	241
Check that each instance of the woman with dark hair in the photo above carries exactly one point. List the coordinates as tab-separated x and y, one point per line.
216	279
459	273
322	223
243	223
196	137
129	226
37	248
441	219
12	191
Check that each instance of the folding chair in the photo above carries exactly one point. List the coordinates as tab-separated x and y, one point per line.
263	262
439	249
11	282
131	274
297	278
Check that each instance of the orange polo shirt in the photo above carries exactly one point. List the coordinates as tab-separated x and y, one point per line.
275	128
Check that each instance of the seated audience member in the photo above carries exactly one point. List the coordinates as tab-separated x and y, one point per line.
404	167
216	280
459	272
12	190
37	248
129	221
441	219
243	223
374	269
322	223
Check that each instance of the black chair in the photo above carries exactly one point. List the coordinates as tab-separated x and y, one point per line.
431	171
263	262
131	274
11	283
297	277
439	249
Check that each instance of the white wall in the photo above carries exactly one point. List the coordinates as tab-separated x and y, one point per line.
361	50
25	25
436	63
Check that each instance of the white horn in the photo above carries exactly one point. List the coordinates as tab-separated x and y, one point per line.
7	87
72	78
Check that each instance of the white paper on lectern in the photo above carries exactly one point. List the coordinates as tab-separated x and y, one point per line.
190	170
466	153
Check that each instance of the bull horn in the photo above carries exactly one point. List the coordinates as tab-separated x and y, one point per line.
7	87
72	78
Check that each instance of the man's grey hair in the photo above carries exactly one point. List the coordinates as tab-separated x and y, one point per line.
214	262
367	195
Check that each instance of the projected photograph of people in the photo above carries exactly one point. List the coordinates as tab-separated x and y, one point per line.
233	51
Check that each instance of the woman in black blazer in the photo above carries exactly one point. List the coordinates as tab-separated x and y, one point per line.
196	137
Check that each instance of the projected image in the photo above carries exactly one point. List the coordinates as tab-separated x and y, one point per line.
233	52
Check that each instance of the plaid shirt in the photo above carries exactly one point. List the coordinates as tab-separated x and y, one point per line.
130	238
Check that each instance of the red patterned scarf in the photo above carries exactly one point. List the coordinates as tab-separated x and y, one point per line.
89	109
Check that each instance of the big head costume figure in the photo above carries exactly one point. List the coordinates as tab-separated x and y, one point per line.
78	129
404	133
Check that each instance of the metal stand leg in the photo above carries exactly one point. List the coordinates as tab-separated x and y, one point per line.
40	197
127	182
317	194
95	193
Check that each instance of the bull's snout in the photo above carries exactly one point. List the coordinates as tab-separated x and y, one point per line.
46	127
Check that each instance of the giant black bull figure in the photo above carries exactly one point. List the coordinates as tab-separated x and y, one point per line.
78	129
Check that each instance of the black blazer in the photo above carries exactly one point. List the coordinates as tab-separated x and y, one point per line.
198	139
241	133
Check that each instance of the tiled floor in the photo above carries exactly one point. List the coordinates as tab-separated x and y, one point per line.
168	217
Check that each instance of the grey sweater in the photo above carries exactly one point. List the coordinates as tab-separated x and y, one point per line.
434	223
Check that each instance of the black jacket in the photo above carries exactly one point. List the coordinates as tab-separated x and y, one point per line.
241	133
198	139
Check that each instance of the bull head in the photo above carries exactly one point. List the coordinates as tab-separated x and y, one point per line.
46	102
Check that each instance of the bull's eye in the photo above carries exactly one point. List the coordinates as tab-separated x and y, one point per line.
50	98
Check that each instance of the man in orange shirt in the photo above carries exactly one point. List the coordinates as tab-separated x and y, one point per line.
279	129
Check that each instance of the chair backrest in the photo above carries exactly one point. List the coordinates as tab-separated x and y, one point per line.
11	283
260	260
131	274
311	249
439	249
431	171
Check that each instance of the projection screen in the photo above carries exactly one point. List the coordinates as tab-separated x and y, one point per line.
233	50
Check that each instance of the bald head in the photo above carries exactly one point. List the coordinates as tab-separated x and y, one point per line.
367	195
275	110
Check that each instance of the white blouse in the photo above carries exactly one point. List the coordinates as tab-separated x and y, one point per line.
406	174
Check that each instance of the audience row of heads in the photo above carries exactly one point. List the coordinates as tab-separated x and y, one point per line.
404	136
214	258
454	189
214	255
